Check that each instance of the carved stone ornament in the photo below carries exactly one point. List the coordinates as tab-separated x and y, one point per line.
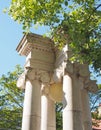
69	67
21	81
84	70
30	73
45	77
33	74
36	74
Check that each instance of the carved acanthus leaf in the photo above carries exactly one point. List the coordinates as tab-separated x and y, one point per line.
45	77
30	73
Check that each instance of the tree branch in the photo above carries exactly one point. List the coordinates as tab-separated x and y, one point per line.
98	6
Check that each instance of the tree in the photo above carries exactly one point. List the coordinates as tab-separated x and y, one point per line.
76	22
95	99
59	108
11	101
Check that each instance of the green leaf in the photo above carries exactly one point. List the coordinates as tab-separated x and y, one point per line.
66	3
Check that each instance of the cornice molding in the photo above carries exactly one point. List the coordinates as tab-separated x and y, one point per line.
34	41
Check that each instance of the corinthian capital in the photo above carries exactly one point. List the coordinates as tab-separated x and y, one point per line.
27	74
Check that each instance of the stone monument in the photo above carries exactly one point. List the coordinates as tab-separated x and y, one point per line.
49	77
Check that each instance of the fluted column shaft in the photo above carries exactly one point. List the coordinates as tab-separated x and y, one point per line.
51	115
32	101
48	119
72	119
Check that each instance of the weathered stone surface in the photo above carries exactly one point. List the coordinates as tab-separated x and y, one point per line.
55	92
69	67
21	81
72	113
86	114
61	56
32	106
36	41
84	70
38	50
48	118
91	86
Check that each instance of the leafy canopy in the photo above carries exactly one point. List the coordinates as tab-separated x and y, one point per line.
11	101
76	22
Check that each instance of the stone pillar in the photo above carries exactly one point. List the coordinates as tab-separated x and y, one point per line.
51	115
87	122
87	86
40	57
31	112
72	119
44	112
48	118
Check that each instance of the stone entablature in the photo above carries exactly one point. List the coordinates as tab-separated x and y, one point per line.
40	43
38	51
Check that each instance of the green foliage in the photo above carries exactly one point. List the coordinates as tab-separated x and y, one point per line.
95	99
11	101
24	11
59	116
76	22
10	119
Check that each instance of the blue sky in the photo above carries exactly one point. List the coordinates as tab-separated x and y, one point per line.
10	35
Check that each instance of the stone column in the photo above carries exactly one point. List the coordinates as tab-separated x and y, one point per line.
87	86
48	120
32	101
40	56
72	119
87	122
51	115
44	112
